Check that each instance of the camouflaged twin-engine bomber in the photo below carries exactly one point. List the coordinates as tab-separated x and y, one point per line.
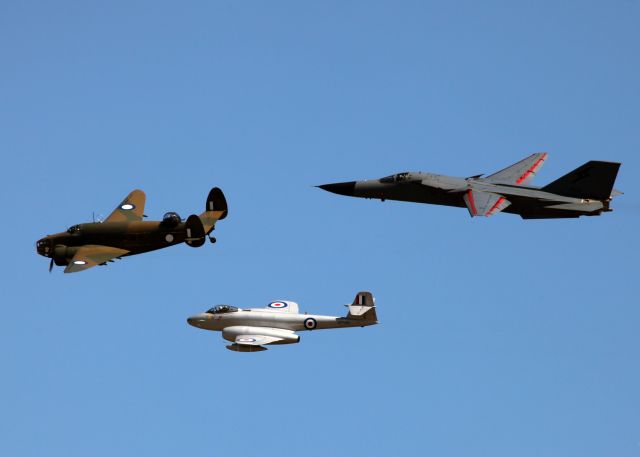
124	233
586	191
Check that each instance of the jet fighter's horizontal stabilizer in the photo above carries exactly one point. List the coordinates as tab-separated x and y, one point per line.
363	307
593	180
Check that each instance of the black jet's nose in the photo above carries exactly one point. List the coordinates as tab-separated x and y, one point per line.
342	188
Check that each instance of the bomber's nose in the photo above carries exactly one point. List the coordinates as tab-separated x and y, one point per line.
42	247
342	188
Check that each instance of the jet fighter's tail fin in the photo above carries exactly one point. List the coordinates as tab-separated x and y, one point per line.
215	209
593	180
363	307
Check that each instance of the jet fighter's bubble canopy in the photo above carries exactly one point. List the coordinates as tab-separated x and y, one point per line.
171	219
221	309
398	177
73	229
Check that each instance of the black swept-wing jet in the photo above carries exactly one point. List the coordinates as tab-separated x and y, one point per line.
586	191
124	233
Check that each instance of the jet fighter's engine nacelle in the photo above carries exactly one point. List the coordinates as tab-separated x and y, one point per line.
170	219
284	336
62	254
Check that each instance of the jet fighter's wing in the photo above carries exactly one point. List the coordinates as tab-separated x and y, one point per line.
131	209
91	255
520	173
480	203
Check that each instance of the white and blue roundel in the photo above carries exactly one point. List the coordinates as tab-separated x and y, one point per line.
127	206
277	305
310	323
246	340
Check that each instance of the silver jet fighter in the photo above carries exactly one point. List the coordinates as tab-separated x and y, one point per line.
278	322
586	191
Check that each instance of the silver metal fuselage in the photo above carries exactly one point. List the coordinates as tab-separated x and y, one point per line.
272	319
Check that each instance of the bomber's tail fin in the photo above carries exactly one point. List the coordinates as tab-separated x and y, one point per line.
593	180
215	209
363	307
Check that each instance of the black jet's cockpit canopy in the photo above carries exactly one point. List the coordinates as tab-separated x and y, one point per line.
398	177
171	219
73	229
221	309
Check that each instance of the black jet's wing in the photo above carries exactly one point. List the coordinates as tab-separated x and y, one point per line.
520	173
481	203
130	210
91	255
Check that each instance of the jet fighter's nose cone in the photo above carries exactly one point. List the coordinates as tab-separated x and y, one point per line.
199	321
342	188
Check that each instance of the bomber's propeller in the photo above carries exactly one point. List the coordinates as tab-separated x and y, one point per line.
51	265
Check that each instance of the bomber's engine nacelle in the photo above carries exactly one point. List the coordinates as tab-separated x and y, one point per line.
170	219
62	254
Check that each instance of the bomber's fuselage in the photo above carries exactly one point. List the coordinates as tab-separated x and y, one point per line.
136	237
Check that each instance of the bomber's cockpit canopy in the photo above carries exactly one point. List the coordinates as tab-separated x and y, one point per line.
73	229
222	309
398	177
171	219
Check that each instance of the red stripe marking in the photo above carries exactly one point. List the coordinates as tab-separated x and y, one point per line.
532	169
471	202
495	206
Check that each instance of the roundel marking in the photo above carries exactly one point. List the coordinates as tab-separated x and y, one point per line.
127	206
246	340
79	262
169	237
278	305
310	323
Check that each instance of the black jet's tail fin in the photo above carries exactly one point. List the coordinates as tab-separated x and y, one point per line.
593	180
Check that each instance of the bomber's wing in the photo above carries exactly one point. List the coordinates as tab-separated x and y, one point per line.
131	209
520	173
480	203
91	255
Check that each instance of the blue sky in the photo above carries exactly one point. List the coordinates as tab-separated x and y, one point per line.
498	336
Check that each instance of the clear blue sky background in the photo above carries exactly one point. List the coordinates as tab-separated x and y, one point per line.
498	336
